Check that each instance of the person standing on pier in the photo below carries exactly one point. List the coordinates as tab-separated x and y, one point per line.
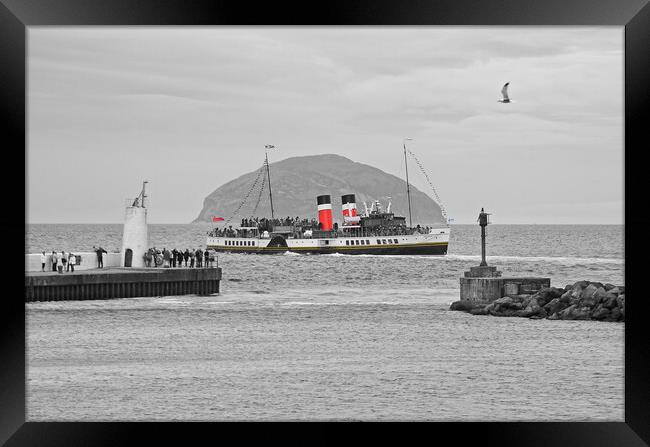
207	258
173	259
165	254
100	256
72	260
186	255
54	261
64	260
199	258
192	258
43	258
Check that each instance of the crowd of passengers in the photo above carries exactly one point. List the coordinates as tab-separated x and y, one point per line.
264	224
176	258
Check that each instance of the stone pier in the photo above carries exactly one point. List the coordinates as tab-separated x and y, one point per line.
102	284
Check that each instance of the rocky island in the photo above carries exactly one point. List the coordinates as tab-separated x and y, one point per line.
584	300
296	182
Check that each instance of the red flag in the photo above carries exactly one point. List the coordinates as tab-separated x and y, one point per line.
217	219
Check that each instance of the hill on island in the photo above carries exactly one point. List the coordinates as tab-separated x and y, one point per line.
297	181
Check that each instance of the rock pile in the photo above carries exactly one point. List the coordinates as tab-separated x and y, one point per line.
584	300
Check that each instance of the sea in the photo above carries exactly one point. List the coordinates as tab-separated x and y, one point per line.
330	337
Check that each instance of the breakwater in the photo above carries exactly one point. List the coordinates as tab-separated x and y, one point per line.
583	300
99	284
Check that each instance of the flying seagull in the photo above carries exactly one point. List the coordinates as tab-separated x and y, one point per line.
504	92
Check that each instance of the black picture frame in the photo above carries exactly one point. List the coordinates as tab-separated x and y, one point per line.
634	15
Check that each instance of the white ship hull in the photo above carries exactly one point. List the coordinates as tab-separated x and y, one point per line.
433	243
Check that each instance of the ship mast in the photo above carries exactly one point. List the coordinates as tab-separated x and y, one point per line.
408	189
268	174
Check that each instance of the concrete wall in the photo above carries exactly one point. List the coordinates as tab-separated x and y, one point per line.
481	289
490	289
88	261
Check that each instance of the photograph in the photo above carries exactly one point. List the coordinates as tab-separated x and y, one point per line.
325	223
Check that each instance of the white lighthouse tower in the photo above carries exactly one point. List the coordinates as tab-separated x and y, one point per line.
135	239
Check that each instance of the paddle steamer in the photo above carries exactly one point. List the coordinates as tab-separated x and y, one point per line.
375	232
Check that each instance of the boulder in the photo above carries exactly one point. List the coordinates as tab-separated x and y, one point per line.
553	306
463	305
609	286
582	313
614	291
575	300
478	311
556	292
554	316
546	294
576	292
575	313
504	300
580	284
588	292
532	309
564	314
600	295
514	306
596	284
600	313
540	313
620	300
566	297
611	302
616	315
588	296
621	288
508	303
576	295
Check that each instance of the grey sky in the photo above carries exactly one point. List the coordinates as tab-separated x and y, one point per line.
191	108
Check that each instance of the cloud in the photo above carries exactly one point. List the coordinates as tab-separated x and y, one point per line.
200	103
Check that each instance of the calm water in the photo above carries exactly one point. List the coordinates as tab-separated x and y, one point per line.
330	337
